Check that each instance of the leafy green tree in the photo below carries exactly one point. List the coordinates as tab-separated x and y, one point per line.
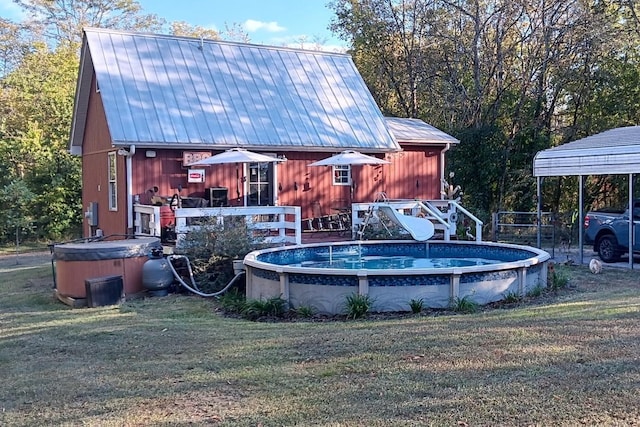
508	78
59	197
52	175
479	184
13	45
234	32
39	61
41	90
16	209
63	20
392	49
37	98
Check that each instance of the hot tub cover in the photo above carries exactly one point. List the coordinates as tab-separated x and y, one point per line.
115	249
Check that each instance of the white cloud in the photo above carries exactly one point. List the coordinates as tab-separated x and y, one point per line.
252	25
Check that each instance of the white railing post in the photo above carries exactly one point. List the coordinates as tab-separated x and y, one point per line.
153	213
281	230
297	224
157	226
137	220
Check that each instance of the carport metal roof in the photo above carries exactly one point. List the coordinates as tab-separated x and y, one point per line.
615	152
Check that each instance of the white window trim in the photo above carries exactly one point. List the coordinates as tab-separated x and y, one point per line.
341	168
112	181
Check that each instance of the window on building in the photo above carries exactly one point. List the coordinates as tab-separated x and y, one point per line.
260	179
342	175
113	184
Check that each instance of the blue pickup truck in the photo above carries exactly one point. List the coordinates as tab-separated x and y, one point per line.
608	231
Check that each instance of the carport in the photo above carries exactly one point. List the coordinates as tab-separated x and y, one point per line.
613	152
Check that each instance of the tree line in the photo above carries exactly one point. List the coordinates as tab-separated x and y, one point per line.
40	182
506	77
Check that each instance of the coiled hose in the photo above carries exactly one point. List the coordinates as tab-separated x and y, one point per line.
193	287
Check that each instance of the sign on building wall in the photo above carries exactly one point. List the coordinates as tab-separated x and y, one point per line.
195	175
189	157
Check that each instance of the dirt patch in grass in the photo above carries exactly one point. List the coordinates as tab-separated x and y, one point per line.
568	357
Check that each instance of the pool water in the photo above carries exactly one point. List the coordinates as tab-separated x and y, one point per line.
393	262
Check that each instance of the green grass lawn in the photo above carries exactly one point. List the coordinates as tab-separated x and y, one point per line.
567	358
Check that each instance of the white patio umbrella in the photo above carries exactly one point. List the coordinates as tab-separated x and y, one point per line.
349	157
236	155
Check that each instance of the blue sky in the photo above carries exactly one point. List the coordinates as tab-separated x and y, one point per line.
275	22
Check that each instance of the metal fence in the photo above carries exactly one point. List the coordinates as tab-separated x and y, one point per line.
558	230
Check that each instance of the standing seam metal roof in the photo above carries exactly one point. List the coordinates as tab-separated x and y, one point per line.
612	152
189	93
417	131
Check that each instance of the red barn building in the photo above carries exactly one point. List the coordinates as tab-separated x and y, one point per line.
148	105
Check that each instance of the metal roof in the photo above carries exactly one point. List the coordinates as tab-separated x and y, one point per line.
416	131
616	151
181	92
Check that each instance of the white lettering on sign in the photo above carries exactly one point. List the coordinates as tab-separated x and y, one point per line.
189	157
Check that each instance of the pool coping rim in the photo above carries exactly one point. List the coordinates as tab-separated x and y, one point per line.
539	256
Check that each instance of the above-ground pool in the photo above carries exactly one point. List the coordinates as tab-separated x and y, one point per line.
393	273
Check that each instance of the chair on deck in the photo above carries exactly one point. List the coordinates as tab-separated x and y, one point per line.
324	221
341	215
314	223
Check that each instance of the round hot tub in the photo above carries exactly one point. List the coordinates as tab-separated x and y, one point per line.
77	262
393	273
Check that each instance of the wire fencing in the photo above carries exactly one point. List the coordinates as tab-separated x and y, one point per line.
558	230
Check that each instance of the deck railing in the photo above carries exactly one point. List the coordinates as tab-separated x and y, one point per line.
443	214
274	224
282	224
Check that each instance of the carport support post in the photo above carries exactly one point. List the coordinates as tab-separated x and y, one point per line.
539	213
580	216
631	242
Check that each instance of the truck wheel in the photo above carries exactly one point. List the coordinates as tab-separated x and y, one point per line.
608	248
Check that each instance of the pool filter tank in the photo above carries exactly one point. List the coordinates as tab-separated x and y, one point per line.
156	274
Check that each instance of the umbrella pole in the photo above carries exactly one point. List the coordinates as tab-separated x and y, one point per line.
351	191
237	183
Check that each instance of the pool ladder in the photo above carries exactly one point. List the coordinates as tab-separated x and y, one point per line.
381	197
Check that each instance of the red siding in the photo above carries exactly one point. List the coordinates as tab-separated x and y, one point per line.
166	172
95	181
412	174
